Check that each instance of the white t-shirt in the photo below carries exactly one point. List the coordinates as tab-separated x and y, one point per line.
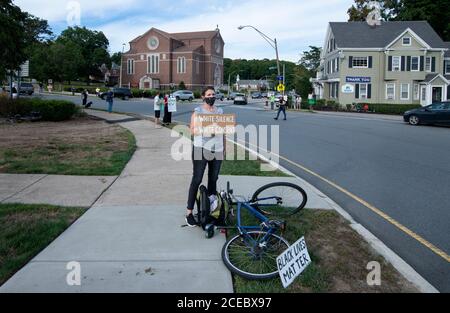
156	104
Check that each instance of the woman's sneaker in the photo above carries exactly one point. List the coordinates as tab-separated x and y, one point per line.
191	221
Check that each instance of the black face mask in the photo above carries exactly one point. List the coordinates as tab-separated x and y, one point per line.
210	101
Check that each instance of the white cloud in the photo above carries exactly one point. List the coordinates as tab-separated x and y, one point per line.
295	23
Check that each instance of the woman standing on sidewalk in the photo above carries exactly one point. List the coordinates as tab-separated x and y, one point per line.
167	115
208	150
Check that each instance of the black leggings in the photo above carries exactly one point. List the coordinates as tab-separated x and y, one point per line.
201	158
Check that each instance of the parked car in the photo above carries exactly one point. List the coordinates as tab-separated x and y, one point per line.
437	113
256	95
231	96
220	96
278	96
123	93
264	94
25	88
240	98
184	95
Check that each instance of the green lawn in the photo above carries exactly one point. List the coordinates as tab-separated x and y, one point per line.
93	149
27	229
339	259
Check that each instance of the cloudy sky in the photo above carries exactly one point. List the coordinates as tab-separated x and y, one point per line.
296	24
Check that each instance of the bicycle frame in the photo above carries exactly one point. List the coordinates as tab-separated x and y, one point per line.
244	229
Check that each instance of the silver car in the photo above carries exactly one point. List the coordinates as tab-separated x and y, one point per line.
184	95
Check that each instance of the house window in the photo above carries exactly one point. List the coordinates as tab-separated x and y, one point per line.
130	67
406	41
416	92
424	93
396	64
390	91
181	65
404	92
153	64
415	64
363	91
428	64
447	67
360	62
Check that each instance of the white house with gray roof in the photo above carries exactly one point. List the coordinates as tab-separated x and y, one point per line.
404	62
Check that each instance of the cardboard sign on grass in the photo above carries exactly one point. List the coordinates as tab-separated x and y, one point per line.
292	262
215	124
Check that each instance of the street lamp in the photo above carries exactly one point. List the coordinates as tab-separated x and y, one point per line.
272	43
121	63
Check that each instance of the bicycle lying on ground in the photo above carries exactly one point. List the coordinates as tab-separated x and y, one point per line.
252	253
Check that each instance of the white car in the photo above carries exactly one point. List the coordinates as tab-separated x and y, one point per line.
184	95
240	98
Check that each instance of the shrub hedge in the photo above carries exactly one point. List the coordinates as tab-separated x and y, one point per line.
380	108
51	110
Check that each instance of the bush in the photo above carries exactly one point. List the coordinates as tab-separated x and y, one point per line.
90	90
51	110
139	93
197	94
397	109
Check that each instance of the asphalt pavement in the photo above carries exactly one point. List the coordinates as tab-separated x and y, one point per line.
390	177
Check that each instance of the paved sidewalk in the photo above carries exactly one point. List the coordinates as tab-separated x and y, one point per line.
74	191
131	240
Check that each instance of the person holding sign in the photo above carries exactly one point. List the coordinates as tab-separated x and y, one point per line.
167	115
208	150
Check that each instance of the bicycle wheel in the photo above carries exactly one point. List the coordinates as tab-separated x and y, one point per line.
203	207
279	199
253	257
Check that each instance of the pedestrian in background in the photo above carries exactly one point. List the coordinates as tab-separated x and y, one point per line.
84	96
110	100
167	115
272	101
298	102
14	92
281	108
158	107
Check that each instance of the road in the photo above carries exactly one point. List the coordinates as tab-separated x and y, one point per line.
392	178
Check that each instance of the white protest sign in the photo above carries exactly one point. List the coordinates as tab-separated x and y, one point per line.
292	262
172	104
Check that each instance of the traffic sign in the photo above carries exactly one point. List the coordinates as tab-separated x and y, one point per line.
280	88
279	77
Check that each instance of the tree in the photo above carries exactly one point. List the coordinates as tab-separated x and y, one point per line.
361	10
311	59
182	86
116	58
93	46
19	30
436	12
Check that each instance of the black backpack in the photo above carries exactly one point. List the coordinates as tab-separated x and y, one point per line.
204	214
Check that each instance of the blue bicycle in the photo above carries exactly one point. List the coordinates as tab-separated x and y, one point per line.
252	253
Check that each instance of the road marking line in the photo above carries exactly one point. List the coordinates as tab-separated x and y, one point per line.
374	209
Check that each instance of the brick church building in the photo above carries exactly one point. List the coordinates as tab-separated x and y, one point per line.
159	60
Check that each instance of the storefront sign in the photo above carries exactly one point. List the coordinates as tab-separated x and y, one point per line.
357	79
